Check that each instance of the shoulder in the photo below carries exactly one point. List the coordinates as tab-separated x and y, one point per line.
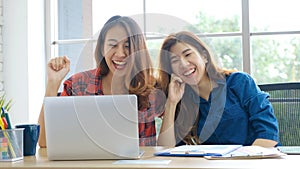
239	77
242	84
82	83
240	81
92	73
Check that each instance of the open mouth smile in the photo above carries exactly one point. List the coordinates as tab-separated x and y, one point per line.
189	72
119	64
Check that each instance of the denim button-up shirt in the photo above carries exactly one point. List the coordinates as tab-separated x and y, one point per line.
245	116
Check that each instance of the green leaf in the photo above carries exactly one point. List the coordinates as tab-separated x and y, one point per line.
3	103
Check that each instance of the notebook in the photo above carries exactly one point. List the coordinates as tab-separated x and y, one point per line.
198	150
218	152
92	127
250	152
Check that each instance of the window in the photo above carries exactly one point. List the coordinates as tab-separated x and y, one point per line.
275	40
260	37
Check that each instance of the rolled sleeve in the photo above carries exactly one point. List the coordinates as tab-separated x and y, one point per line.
262	120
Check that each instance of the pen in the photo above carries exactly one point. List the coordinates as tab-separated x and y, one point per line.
6	115
5	125
2	111
5	118
2	124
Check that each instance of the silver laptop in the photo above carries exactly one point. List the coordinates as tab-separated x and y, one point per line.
92	127
290	150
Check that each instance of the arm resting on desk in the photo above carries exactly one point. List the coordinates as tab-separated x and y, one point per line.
264	143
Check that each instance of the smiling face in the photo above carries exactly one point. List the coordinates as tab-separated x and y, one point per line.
116	50
187	63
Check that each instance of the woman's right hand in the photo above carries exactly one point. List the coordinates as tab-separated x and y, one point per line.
57	69
176	89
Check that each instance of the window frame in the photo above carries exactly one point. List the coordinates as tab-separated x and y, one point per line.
245	34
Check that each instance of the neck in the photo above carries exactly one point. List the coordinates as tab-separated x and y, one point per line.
113	84
204	87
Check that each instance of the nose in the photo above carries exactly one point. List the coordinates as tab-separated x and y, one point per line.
121	52
184	62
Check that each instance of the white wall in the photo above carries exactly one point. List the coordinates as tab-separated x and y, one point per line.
1	50
24	57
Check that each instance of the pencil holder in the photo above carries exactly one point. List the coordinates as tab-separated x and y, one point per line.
11	144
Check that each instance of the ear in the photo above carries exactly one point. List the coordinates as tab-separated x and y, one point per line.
205	59
205	56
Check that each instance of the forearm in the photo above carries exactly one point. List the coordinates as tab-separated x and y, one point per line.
41	122
52	87
264	122
51	90
167	133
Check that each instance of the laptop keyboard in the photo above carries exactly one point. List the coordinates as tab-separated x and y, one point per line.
289	149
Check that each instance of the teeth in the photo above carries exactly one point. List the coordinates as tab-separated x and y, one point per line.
189	72
119	62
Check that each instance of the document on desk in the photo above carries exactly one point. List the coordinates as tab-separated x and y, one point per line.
198	150
221	152
249	152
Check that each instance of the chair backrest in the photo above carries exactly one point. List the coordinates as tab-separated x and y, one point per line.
285	99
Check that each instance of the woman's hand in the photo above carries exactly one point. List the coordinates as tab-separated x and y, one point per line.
264	142
176	89
58	68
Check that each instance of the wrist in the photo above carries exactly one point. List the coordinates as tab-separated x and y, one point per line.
170	108
52	88
171	103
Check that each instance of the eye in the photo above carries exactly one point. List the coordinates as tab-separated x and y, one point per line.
174	60
126	45
188	54
112	45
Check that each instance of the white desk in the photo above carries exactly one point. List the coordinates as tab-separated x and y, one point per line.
41	161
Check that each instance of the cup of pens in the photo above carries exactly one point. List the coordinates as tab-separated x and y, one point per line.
11	144
11	140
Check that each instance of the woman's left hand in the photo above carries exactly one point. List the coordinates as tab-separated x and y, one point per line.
176	89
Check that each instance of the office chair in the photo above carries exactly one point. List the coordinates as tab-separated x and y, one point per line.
285	99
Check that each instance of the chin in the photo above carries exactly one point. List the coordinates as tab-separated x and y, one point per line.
191	82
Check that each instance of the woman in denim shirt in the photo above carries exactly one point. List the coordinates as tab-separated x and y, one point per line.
209	105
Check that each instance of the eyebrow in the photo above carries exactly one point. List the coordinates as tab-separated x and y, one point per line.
112	40
186	50
116	41
173	57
